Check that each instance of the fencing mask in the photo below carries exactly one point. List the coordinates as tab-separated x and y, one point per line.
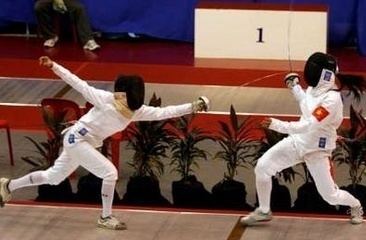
315	65
134	88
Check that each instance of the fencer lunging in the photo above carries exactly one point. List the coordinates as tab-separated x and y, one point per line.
112	112
311	139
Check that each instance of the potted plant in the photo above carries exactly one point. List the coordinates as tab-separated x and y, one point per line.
238	149
150	142
89	190
48	151
185	150
352	152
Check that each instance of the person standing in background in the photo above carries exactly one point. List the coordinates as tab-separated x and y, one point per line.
45	11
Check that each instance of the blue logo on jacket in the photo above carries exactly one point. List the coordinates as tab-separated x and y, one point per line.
327	76
322	142
83	131
71	138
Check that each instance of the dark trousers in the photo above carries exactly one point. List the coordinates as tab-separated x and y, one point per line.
76	11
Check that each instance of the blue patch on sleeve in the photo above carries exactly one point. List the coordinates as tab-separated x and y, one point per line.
322	142
71	138
83	131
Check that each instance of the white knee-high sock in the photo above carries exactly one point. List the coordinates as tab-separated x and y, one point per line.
264	188
31	179
107	197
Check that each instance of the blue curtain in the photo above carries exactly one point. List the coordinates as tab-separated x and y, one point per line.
361	27
17	11
174	19
167	19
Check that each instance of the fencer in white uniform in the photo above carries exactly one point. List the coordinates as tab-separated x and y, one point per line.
311	139
111	113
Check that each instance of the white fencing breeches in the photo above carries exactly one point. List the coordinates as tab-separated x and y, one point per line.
80	153
74	154
283	155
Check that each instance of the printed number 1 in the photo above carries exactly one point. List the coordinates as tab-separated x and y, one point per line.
260	35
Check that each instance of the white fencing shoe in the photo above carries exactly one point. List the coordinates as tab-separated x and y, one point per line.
256	216
5	194
91	45
356	215
112	223
51	42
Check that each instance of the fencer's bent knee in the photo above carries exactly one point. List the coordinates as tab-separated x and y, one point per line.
56	180
111	175
262	171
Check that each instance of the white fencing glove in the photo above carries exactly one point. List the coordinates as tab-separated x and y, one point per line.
292	79
202	104
59	6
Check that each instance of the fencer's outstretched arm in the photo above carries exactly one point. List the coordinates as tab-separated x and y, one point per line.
148	113
321	115
293	127
97	97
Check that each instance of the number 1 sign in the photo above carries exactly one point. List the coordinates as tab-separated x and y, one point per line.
259	31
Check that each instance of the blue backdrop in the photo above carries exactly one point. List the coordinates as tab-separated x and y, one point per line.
17	10
174	19
167	19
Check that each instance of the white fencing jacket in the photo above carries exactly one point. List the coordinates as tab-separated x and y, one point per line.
103	120
321	115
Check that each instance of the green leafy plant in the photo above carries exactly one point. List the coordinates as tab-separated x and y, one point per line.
48	150
185	146
238	144
150	142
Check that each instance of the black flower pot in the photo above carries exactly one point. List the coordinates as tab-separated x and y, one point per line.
144	191
309	200
280	197
191	193
230	194
56	193
89	190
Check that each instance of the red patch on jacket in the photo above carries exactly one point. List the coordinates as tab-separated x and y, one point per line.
320	113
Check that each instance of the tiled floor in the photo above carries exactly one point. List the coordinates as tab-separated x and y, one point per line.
27	222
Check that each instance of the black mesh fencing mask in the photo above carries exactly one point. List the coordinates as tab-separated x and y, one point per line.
134	88
315	65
